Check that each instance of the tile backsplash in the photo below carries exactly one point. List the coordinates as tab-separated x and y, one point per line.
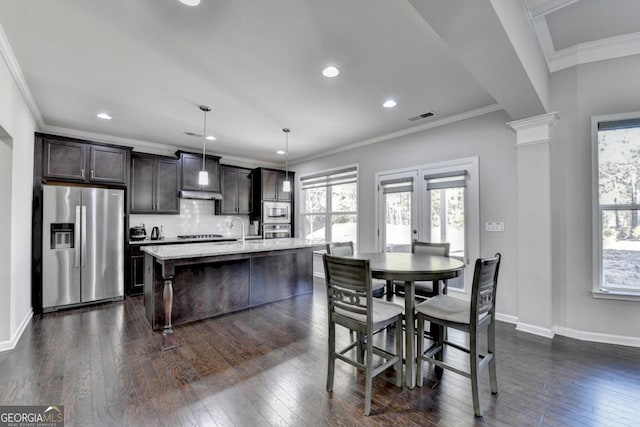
196	217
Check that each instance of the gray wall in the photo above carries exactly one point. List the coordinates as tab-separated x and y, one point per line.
486	137
599	88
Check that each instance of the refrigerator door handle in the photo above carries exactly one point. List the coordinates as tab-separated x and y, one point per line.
84	235
77	237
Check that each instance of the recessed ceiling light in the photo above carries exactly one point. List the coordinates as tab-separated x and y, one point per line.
211	138
389	103
190	2
104	116
281	152
330	71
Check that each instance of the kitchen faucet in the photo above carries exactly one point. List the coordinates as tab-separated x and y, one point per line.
241	222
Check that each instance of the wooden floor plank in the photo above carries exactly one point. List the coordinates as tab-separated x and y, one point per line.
267	367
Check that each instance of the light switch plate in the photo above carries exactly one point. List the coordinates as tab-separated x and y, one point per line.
494	226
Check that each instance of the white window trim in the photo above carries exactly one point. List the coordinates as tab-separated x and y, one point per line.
597	291
300	214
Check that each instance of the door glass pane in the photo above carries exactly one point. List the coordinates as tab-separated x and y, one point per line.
314	227
621	249
343	228
447	223
397	226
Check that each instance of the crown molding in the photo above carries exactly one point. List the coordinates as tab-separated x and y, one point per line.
16	72
433	124
538	8
149	147
599	50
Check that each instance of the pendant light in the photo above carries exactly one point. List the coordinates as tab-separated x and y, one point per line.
286	184
203	176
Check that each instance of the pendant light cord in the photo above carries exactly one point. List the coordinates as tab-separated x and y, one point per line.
204	138
286	153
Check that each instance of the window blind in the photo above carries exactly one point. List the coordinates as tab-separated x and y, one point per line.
342	176
619	124
438	181
398	185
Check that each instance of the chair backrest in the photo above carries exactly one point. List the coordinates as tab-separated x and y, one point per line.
340	248
428	248
348	286
483	289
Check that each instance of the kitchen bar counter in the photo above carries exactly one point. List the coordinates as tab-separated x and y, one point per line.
175	240
194	281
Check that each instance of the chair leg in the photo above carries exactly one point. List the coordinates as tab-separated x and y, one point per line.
491	347
420	351
389	290
474	363
360	346
368	370
331	360
399	347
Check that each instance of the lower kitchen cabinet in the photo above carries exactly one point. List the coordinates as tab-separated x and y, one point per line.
136	279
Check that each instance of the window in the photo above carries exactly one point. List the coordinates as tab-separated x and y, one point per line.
616	177
330	205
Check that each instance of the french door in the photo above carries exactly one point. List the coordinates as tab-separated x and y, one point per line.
433	203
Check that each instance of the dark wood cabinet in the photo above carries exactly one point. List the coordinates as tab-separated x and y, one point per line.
270	181
136	281
191	167
236	190
155	182
73	160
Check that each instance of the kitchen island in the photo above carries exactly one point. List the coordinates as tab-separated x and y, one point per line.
194	281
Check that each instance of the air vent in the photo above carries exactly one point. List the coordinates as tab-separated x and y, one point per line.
188	133
422	116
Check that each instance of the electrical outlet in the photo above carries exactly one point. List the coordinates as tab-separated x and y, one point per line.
494	226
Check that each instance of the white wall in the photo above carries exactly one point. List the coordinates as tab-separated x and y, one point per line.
17	121
6	155
486	137
598	88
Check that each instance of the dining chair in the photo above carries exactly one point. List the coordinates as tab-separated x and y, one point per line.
346	249
470	317
424	289
351	304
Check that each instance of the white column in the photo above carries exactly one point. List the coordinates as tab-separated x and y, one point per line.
534	224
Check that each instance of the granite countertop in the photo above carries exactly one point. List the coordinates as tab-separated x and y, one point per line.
175	240
205	249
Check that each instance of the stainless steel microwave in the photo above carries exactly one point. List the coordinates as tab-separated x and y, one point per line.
276	213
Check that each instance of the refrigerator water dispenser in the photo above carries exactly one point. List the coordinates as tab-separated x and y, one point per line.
62	235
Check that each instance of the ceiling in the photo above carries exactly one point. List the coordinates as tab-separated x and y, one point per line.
151	63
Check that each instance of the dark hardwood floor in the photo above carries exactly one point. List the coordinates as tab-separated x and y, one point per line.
267	366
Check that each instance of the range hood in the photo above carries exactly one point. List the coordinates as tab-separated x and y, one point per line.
200	195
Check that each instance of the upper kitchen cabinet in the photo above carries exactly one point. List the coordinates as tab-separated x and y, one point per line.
269	183
155	182
192	165
236	190
74	160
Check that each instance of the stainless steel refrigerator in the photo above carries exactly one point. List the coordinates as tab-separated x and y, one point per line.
82	245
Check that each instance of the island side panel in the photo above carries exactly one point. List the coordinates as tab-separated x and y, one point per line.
281	275
204	290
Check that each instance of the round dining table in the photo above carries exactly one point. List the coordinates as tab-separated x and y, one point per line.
409	267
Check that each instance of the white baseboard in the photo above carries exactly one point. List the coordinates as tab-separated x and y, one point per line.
535	330
597	337
507	318
11	344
